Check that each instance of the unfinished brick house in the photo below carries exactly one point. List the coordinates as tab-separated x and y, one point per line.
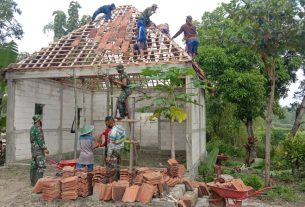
43	83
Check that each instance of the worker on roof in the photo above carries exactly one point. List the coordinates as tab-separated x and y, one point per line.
145	15
87	145
190	36
117	137
125	91
164	29
106	9
141	38
38	150
109	122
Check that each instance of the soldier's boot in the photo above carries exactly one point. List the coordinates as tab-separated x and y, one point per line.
33	176
122	109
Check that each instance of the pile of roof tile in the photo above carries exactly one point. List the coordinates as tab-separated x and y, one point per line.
69	188
103	175
51	189
84	184
175	169
234	184
68	171
125	175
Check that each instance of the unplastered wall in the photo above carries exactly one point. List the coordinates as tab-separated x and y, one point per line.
149	133
52	95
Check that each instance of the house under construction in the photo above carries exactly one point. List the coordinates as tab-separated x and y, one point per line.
43	83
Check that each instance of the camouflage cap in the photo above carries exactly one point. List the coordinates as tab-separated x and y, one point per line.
120	67
36	118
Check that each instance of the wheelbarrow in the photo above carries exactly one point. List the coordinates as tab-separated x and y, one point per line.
220	196
61	164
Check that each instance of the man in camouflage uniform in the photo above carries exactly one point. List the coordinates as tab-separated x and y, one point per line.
38	150
125	91
145	15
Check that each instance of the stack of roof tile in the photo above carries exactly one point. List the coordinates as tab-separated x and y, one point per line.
84	185
103	175
106	192
51	189
125	175
145	193
171	182
152	178
130	194
172	169
69	187
68	171
118	189
39	184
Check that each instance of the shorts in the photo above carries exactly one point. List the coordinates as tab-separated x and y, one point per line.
192	46
80	166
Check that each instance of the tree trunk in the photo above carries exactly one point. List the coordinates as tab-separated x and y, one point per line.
249	126
298	118
251	145
271	74
173	156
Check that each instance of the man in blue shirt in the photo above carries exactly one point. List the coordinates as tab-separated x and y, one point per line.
105	10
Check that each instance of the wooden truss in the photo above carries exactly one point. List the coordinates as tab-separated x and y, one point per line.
102	44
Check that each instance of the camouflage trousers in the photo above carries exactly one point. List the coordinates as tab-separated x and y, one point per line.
38	165
115	163
122	102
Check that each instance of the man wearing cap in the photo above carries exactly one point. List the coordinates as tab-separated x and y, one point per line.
106	9
145	15
190	36
125	90
87	145
38	150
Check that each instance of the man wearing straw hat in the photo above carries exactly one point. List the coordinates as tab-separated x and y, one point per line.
87	145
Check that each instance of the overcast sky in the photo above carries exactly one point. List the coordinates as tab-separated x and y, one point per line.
37	13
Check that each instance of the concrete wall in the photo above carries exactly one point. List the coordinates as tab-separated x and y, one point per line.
147	132
57	132
195	129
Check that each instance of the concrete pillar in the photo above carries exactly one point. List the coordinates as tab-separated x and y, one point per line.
10	122
189	153
60	128
91	110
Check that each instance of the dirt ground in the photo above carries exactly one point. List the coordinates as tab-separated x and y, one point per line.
15	191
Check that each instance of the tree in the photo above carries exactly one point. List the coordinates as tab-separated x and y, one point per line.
273	28
169	102
64	24
9	26
300	108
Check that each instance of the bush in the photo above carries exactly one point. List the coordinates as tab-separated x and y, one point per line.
226	148
254	181
286	177
290	153
282	192
206	168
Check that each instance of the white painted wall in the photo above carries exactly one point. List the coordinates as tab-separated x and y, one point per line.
28	92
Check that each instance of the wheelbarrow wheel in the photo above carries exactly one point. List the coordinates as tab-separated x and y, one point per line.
216	201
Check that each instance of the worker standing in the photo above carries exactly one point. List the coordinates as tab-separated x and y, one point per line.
190	36
115	146
141	38
106	9
125	91
164	29
109	122
145	15
38	150
87	145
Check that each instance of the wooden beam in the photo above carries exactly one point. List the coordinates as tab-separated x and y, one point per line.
94	71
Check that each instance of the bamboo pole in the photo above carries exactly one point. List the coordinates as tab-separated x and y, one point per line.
76	115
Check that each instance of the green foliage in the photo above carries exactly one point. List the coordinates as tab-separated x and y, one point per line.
302	186
284	176
64	24
285	193
169	103
9	27
206	168
225	148
8	54
73	19
254	181
290	153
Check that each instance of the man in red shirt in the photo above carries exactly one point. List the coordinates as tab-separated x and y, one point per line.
109	122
